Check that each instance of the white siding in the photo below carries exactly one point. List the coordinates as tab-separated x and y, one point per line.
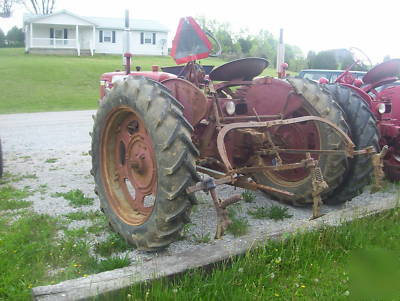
62	19
135	46
148	49
109	47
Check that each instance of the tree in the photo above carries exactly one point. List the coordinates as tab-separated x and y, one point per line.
6	7
15	37
323	60
40	7
2	39
245	45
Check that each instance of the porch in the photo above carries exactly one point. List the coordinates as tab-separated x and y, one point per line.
52	38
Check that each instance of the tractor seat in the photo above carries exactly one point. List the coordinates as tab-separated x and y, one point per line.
241	69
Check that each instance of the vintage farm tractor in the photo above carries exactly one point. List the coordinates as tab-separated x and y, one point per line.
372	107
158	134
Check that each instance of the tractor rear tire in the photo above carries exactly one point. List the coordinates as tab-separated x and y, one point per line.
392	172
318	102
364	133
158	116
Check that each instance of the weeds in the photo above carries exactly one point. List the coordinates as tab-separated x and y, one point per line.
112	263
202	238
12	198
10	178
51	160
75	197
239	225
81	215
113	244
274	212
248	196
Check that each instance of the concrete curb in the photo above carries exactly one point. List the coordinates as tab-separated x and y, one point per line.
107	282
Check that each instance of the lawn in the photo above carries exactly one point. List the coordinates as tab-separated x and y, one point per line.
358	260
39	83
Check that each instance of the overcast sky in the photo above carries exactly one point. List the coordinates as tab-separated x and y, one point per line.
372	26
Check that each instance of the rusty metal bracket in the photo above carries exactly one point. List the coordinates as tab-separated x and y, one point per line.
267	124
377	163
209	185
237	181
318	186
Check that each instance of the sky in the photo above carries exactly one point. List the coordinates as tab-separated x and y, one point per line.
315	25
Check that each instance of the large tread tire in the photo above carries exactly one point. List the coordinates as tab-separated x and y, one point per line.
333	167
392	172
175	158
1	160
364	133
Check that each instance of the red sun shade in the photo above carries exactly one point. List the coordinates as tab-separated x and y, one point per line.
190	42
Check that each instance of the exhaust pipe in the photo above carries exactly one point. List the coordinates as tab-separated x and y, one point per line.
127	54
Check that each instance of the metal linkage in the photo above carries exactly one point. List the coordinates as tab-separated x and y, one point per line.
377	163
318	186
209	185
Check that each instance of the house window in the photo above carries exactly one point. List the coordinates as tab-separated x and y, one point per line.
107	36
59	36
147	38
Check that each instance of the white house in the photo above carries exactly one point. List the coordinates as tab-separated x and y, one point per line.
67	33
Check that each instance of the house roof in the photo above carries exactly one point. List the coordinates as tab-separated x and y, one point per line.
111	23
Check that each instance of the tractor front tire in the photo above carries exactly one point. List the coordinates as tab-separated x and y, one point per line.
364	133
142	142
317	102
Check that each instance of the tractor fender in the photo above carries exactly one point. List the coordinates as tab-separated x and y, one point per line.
270	96
195	103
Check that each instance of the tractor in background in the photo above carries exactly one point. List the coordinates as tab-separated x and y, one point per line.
160	136
378	95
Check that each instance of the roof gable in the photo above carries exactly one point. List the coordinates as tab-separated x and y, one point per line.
62	17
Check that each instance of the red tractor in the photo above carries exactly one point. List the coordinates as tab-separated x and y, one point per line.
378	95
156	134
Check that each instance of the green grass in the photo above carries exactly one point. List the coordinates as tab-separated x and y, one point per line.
75	197
239	224
12	198
51	160
81	215
356	261
113	244
273	212
248	196
40	83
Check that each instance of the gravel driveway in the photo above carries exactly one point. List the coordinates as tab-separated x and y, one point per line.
54	146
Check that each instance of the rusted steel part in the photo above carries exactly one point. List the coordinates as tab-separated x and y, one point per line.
303	163
318	186
191	97
267	124
370	150
129	168
237	181
377	163
223	220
